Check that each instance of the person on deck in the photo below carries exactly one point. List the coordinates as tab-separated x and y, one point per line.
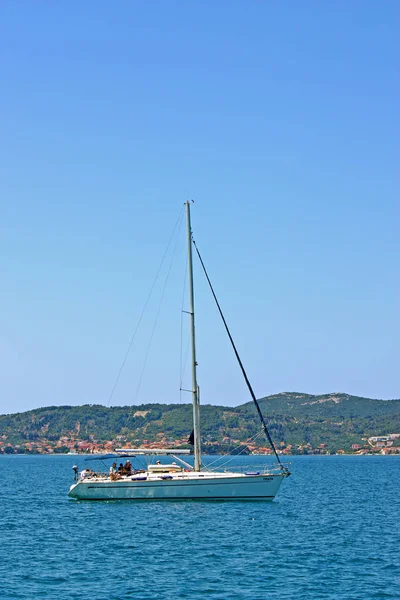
85	473
128	468
114	473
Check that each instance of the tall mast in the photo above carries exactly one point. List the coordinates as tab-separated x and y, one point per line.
195	387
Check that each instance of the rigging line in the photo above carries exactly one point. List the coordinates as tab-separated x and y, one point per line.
233	456
250	441
231	452
157	314
264	425
144	309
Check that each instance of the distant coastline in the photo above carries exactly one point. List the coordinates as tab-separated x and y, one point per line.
300	424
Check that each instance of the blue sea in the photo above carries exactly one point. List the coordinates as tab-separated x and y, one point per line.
332	532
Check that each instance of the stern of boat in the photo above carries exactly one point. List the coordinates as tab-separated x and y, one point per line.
73	491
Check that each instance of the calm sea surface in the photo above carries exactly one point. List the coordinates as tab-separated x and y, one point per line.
332	532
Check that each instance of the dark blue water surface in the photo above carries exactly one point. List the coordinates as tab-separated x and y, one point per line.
332	532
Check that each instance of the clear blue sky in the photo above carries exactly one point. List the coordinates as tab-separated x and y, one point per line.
279	118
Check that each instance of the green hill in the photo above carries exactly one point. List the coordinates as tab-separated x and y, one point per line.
336	420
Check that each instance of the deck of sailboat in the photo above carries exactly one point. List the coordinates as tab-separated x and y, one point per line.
167	476
205	485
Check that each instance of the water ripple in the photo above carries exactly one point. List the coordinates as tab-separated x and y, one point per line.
331	534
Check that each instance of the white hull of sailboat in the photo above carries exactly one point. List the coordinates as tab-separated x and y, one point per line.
223	487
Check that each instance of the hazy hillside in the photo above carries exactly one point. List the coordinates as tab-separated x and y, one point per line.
337	420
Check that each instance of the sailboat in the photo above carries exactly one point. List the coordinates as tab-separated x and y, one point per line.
179	480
